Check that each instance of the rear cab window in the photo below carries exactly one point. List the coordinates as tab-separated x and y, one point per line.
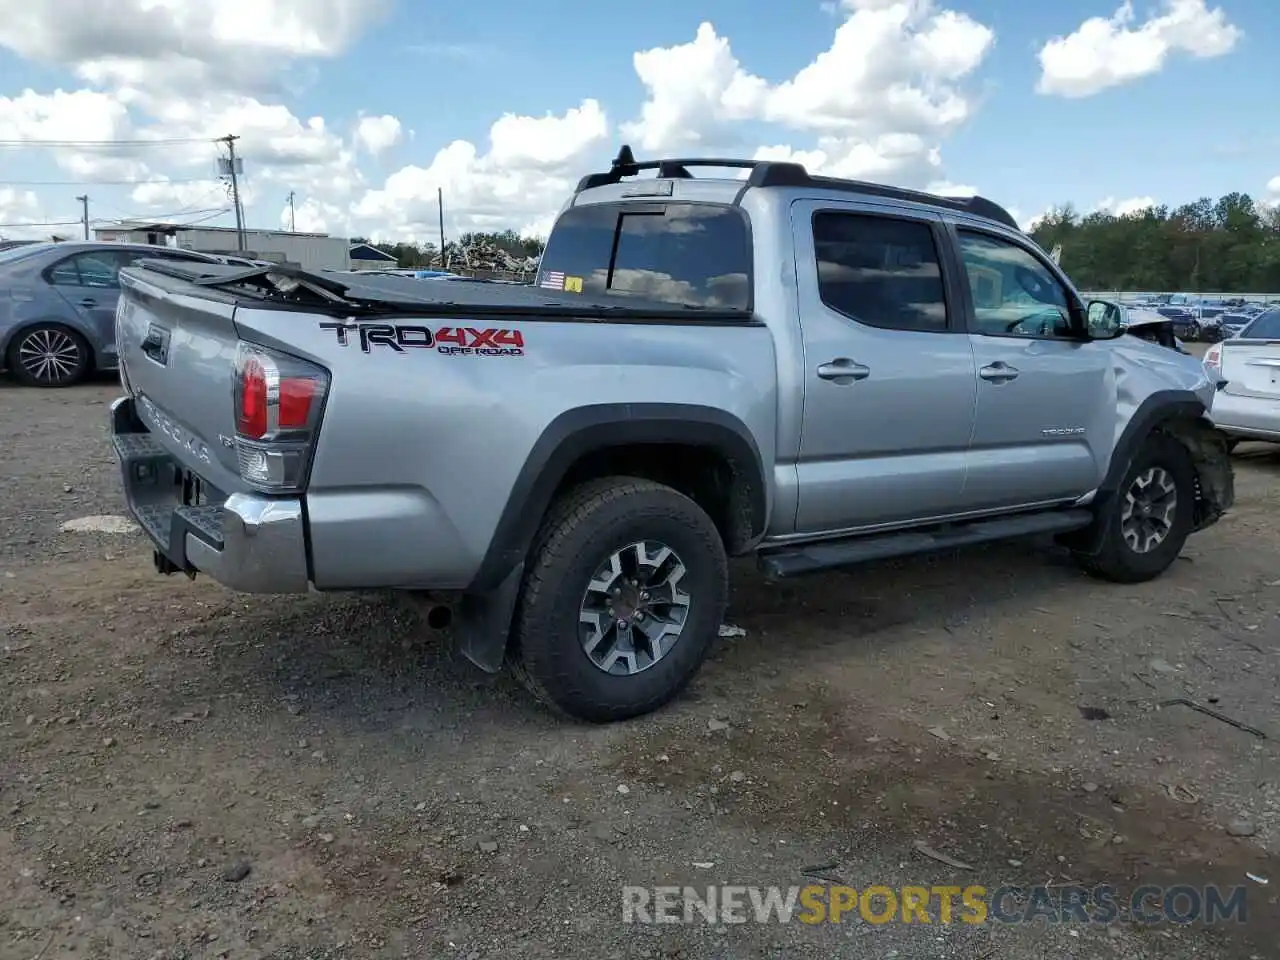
678	254
1265	327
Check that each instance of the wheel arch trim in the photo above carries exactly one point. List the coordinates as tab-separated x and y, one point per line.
585	430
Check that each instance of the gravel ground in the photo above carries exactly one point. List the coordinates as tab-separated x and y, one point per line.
185	772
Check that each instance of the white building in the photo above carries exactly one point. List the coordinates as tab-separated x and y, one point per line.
311	251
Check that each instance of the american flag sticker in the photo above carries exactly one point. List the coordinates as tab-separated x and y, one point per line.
552	280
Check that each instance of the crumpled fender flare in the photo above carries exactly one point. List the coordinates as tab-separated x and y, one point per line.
1162	409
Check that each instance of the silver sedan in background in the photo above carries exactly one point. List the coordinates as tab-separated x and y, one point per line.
58	306
1248	405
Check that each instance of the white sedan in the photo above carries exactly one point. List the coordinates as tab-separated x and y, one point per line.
1248	405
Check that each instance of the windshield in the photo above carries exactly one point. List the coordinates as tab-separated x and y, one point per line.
22	252
1266	327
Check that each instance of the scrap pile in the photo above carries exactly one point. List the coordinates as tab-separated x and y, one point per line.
483	254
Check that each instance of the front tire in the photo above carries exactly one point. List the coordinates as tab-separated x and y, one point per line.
624	596
1152	518
49	355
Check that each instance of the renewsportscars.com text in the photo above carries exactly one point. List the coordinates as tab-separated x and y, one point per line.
974	904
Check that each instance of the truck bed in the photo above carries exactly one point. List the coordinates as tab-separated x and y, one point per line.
439	408
439	297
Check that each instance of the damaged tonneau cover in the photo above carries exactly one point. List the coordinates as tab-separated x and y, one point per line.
306	290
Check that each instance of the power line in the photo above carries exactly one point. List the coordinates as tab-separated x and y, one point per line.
41	223
188	212
103	183
152	142
207	217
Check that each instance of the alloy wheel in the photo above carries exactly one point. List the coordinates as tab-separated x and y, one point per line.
49	355
634	610
1147	516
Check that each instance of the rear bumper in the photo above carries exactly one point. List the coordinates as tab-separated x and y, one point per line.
248	543
1255	418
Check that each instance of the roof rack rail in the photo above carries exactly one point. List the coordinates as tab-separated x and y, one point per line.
778	173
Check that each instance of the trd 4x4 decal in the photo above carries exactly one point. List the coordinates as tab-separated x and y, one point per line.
451	341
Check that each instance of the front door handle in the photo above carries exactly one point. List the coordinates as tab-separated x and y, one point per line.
843	371
88	302
998	372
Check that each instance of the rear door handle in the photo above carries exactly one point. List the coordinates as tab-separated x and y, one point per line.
843	371
998	372
88	302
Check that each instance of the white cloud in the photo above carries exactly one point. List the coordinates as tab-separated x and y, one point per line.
945	188
165	194
1125	208
877	103
547	141
18	206
186	47
1271	195
879	99
168	70
378	134
1107	52
520	182
312	216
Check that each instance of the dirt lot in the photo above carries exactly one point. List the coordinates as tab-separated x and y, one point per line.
159	737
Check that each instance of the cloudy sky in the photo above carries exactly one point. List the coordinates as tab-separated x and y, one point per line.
362	108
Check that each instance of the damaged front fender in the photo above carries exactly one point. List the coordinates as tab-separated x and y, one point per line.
1181	415
1215	475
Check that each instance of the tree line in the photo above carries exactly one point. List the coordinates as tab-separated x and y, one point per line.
418	256
1228	245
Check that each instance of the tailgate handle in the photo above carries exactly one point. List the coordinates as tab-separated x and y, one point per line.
156	344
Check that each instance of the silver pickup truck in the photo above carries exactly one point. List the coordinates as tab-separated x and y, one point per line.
816	372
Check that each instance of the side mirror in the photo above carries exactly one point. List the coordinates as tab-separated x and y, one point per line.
1105	321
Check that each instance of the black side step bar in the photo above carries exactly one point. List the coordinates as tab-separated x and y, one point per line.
813	557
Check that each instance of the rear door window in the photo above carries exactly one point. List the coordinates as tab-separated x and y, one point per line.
681	254
880	271
97	269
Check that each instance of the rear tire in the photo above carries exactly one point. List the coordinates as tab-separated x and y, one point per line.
595	543
1152	518
48	355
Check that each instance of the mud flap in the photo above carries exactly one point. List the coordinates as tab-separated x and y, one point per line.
482	623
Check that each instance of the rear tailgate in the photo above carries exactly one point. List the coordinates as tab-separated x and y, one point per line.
177	360
1252	368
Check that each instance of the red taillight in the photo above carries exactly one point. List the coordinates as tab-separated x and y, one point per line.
277	399
296	394
251	419
271	401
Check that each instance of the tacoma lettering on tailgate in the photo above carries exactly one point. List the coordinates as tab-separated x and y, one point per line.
183	437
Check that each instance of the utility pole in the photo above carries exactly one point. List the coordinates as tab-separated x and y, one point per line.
230	140
84	203
293	224
440	202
